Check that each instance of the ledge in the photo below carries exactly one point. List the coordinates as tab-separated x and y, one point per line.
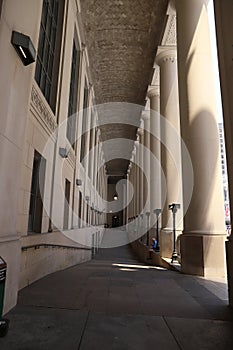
142	252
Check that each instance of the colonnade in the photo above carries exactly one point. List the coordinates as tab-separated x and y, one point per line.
184	141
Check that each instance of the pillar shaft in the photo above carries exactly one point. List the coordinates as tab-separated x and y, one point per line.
137	178
170	152
202	245
170	146
146	177
141	141
146	162
155	169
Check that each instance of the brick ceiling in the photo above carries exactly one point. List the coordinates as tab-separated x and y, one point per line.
122	38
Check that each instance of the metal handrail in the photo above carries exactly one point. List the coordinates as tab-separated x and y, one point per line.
48	245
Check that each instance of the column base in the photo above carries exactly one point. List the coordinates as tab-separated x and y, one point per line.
203	255
229	253
166	242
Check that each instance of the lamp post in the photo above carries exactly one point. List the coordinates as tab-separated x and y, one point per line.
148	227
173	207
157	213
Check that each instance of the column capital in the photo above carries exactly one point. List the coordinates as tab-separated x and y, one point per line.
166	54
153	90
136	143
140	131
145	115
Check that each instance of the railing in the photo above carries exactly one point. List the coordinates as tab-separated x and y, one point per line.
50	245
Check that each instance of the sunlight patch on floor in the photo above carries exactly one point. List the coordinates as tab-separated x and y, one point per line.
145	267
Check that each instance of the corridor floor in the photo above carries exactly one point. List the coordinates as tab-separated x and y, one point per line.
115	302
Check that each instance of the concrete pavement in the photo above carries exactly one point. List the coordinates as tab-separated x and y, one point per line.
115	302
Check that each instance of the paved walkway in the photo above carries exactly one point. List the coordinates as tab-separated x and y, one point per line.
114	302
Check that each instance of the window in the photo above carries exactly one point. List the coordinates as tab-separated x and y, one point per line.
80	208
95	160
72	108
37	193
84	123
87	214
1	7
66	205
49	47
90	144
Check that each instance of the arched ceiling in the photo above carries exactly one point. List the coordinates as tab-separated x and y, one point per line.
122	38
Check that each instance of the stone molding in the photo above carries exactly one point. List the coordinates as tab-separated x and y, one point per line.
166	54
45	116
153	91
169	37
155	79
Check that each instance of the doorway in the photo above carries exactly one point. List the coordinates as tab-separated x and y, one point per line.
37	194
115	221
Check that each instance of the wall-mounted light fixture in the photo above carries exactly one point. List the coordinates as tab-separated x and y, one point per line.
78	182
87	198
63	152
115	197
24	47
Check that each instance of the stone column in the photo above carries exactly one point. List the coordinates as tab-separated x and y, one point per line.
146	168
133	182
155	170
170	146
137	182
141	202
202	244
127	198
130	202
130	231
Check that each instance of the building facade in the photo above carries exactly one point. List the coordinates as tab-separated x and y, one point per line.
224	174
51	150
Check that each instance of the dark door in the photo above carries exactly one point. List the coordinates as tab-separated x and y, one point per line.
115	221
37	194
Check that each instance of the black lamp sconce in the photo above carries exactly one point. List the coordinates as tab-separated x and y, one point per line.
24	47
